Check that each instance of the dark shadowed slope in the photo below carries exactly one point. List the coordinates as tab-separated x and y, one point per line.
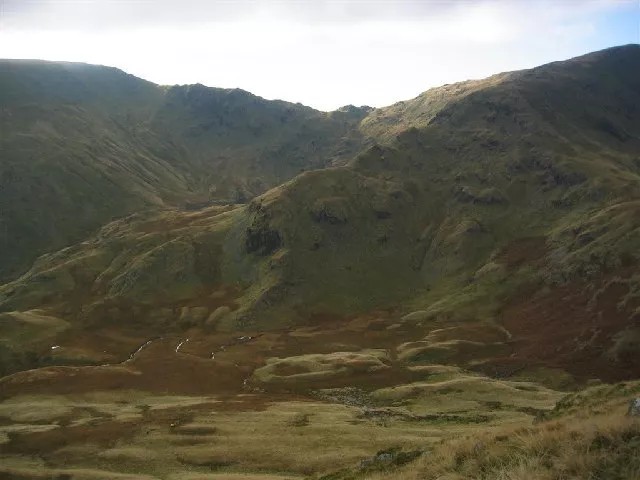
83	144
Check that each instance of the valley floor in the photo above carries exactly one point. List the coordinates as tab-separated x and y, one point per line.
348	399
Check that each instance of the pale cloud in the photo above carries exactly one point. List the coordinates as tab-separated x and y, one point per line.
108	14
325	54
96	14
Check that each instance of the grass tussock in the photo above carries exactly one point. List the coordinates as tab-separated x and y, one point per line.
576	447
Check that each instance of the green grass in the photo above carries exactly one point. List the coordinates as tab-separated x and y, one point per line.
145	434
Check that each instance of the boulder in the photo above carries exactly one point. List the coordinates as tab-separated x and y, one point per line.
634	407
392	456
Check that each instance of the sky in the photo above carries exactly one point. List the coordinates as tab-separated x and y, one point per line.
323	53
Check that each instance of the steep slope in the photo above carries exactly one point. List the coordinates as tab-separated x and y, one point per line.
535	155
243	144
69	161
82	145
485	208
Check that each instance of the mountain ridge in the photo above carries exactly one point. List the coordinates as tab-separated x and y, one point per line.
431	221
110	146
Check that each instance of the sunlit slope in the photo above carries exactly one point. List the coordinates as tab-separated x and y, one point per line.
549	153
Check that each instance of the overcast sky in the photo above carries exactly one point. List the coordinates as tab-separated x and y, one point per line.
321	53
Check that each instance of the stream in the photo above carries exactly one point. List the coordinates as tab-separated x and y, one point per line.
181	342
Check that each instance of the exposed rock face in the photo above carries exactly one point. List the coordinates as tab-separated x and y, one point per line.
262	240
331	210
260	237
634	407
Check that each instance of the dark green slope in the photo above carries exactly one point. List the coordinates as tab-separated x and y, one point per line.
73	154
244	144
81	145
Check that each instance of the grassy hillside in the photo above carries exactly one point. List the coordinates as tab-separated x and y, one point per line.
493	201
82	145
